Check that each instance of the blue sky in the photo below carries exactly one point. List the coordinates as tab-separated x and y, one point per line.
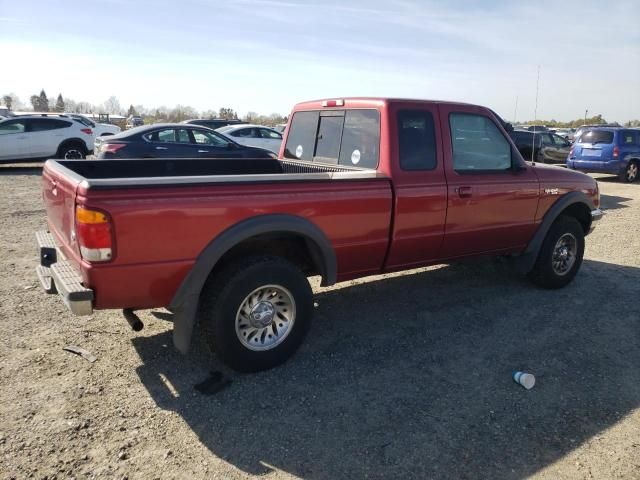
266	55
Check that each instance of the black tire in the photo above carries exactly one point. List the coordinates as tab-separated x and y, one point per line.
544	274
223	296
630	173
72	151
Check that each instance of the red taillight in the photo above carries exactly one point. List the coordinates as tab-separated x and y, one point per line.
333	103
93	231
112	147
88	131
616	152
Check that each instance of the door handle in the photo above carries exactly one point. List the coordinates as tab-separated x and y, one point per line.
463	192
203	151
161	148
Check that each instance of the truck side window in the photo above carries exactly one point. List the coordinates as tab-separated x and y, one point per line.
417	140
477	144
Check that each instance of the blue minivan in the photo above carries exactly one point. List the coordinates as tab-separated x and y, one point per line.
613	150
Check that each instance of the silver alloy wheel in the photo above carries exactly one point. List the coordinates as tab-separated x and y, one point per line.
564	254
73	154
632	171
265	317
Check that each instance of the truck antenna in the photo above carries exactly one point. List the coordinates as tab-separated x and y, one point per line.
535	118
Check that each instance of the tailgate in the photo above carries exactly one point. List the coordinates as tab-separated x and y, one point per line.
59	196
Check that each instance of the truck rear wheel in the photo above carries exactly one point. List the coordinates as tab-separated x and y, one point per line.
561	254
256	312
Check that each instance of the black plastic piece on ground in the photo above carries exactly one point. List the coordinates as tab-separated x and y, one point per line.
134	321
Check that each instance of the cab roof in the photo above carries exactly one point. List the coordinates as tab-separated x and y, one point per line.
371	102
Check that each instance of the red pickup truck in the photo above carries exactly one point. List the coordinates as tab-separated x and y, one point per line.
361	187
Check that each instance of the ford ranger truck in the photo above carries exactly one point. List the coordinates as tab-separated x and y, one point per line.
362	186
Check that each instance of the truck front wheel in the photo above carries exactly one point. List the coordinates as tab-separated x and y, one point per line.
561	254
256	312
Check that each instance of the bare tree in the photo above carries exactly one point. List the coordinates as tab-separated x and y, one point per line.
112	105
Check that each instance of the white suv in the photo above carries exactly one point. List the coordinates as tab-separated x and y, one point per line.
99	129
35	137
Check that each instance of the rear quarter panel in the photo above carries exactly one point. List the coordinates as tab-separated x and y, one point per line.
160	232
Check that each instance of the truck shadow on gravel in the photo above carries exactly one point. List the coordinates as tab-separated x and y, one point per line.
410	377
613	202
14	170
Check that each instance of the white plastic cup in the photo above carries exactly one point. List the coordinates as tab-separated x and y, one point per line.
525	379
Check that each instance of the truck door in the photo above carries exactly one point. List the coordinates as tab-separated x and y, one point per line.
491	205
420	188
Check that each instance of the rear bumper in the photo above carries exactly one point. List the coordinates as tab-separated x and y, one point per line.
56	274
595	166
596	216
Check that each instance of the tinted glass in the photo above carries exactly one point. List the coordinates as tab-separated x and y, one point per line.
627	138
244	133
183	136
559	141
12	126
477	144
301	140
596	136
167	136
84	121
329	137
209	138
546	138
350	137
266	133
360	144
44	124
417	140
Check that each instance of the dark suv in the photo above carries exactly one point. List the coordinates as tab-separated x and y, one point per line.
547	147
607	150
214	123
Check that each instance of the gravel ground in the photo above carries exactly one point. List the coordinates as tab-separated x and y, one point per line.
402	376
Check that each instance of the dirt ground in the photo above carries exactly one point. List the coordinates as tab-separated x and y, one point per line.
407	376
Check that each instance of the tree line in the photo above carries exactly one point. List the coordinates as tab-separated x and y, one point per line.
595	120
41	103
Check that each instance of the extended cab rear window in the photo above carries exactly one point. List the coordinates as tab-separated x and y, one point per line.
345	137
596	136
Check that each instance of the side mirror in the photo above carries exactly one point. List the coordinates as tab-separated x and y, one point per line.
508	127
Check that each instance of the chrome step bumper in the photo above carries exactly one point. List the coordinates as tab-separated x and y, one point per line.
58	275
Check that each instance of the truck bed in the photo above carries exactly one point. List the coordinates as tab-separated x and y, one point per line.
147	172
164	213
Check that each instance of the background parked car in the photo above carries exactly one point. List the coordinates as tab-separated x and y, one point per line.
547	147
99	129
214	123
607	150
254	136
35	137
134	121
566	133
174	140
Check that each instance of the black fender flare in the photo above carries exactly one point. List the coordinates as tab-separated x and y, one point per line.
527	260
184	304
